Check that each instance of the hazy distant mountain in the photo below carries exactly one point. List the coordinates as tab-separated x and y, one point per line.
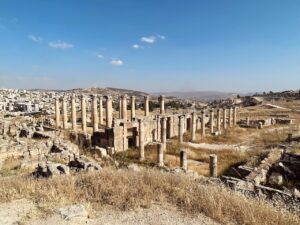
108	91
200	95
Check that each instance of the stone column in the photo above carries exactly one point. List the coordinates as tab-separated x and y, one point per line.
219	120
100	110
125	141
132	107
193	134
158	128
183	159
198	124
57	113
109	116
95	113
230	117
248	121
83	114
212	121
213	167
203	123
160	155
224	118
162	104
234	116
146	106
181	129
65	113
73	112
124	107
164	132
120	108
171	121
141	140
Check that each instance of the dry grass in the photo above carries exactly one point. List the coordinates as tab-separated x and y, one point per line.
11	166
128	190
234	135
266	138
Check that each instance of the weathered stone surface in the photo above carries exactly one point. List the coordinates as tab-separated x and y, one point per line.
25	132
275	179
77	164
102	152
92	166
40	135
133	167
72	211
13	130
50	169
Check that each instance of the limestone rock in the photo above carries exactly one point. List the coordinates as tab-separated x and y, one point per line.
92	166
50	169
101	151
72	211
133	167
25	132
275	179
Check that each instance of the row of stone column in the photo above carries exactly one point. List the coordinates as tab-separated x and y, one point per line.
123	106
213	160
97	119
163	135
232	120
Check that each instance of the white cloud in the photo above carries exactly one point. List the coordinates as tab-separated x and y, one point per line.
148	40
60	44
116	62
162	37
136	46
99	56
35	38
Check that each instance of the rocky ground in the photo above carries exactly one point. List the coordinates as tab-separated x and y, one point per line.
25	212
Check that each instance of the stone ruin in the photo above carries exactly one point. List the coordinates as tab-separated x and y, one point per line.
126	131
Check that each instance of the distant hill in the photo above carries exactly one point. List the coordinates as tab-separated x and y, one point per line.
199	95
115	92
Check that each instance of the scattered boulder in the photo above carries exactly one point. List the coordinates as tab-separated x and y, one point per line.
72	211
79	164
13	130
50	169
92	166
133	167
24	132
40	135
275	179
101	151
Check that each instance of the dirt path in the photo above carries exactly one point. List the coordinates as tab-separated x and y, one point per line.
245	145
218	146
24	212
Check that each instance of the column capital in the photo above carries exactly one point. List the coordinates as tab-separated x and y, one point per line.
162	97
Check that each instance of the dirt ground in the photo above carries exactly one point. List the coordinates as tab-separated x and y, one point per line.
24	212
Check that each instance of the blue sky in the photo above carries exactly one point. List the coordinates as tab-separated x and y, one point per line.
157	45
